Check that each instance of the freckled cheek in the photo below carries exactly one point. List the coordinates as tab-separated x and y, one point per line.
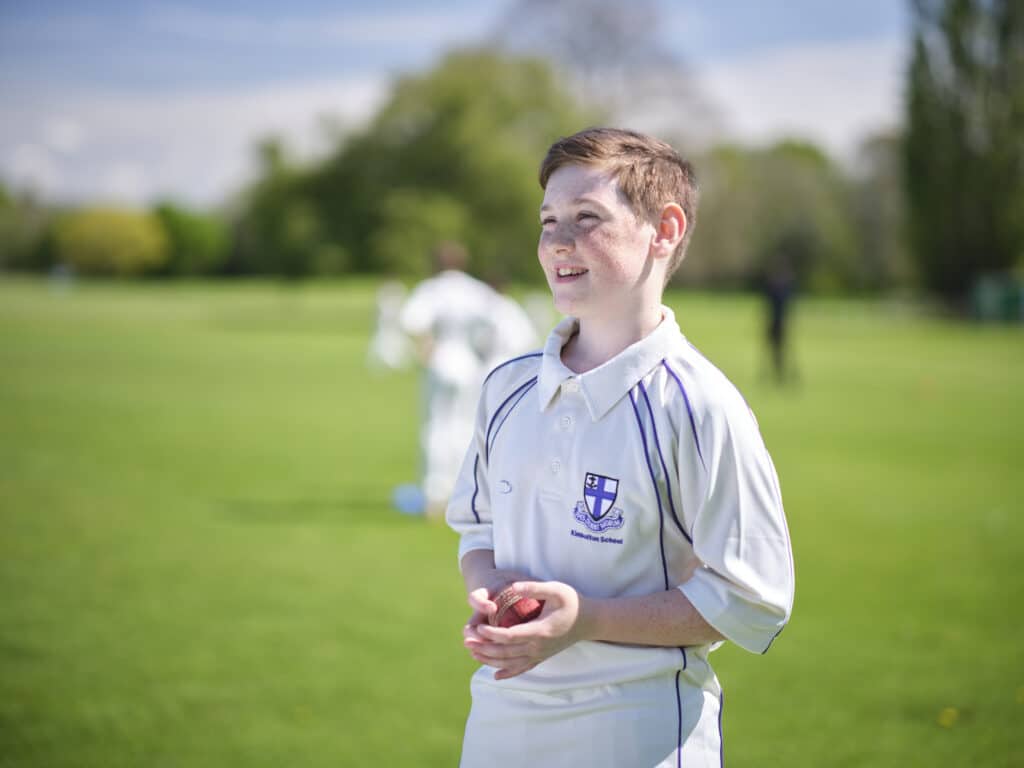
544	257
613	254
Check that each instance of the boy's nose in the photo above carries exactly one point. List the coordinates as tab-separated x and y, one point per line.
561	240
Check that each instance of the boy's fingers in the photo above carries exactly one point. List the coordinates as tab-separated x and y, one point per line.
499	635
500	661
507	672
476	636
480	603
469	629
520	633
538	590
492	651
517	668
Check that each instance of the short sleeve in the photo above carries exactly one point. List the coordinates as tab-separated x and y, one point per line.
745	585
469	509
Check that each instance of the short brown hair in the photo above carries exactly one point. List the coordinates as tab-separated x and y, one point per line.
449	254
649	172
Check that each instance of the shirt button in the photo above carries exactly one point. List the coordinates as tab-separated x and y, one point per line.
566	422
572	385
556	466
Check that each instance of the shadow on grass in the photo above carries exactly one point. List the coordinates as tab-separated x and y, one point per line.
16	651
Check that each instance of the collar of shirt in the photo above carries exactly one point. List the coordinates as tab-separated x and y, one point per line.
604	386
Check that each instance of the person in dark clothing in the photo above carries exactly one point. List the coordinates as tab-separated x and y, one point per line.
779	288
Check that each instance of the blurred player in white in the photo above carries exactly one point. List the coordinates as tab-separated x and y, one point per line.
461	327
389	346
621	479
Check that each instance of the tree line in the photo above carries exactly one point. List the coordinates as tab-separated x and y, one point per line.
454	152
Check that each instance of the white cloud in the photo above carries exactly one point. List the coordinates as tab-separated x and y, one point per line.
123	181
195	146
63	135
32	166
833	94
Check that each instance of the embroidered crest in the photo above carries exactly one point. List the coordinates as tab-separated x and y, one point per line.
597	510
599	493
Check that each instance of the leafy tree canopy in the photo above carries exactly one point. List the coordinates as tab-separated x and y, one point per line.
964	149
453	155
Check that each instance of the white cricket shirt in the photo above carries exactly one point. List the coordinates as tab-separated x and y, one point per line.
455	310
644	474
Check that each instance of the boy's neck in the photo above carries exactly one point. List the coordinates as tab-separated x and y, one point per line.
599	339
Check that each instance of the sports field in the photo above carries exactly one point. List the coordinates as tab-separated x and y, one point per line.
199	565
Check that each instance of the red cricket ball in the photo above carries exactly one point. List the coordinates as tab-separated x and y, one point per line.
514	609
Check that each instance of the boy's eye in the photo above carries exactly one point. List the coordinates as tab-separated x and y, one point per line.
548	220
584	215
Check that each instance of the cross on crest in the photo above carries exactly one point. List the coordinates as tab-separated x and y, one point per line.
599	494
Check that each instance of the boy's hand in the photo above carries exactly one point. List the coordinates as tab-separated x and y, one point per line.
491	583
519	649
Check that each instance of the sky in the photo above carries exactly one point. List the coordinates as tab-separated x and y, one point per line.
132	102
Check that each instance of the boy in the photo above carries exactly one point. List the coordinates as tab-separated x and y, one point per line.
455	320
621	479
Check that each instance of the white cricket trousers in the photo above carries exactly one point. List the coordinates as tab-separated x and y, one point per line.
660	721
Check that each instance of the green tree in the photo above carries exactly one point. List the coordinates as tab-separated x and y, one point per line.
197	242
964	150
879	210
24	222
464	141
110	241
412	223
281	230
759	206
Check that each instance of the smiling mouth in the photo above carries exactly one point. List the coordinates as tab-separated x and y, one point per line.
570	271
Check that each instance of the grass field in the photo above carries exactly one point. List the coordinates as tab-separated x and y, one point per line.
199	566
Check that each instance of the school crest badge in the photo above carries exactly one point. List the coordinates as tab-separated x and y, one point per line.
597	511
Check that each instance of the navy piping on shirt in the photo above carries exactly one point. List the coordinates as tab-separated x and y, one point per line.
650	468
679	723
657	494
664	469
773	640
509	362
476	488
689	411
721	739
661	509
521	391
749	409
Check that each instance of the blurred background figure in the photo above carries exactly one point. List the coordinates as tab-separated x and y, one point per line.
389	348
779	288
461	328
512	328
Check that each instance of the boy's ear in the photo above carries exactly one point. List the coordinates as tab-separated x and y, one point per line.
671	227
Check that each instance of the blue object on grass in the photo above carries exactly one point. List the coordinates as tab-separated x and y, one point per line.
409	499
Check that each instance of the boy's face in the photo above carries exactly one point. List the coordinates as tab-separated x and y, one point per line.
594	250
